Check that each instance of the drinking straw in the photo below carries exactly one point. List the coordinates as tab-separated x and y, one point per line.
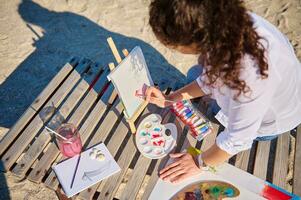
54	132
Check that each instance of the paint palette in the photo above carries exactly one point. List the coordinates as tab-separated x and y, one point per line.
155	140
209	190
200	127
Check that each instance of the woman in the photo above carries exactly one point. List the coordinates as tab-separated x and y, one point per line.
249	68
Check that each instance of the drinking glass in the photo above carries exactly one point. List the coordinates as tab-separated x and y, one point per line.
71	145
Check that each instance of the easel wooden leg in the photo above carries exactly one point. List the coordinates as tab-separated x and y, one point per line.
132	127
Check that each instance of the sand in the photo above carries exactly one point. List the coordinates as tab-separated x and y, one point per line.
37	38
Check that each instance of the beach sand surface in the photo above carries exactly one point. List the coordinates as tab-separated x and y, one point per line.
38	37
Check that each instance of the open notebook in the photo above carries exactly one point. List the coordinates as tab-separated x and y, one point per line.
90	171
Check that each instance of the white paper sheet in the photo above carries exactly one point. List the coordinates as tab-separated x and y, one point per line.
89	172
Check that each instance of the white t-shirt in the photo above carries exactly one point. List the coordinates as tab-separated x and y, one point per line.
273	107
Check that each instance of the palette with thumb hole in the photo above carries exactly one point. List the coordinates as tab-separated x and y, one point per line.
155	140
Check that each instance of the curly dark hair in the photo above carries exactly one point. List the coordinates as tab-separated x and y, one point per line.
220	29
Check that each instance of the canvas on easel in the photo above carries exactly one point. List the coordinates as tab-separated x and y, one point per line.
130	75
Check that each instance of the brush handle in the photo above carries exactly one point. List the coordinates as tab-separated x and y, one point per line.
75	171
143	96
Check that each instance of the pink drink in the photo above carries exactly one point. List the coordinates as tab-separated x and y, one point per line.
73	145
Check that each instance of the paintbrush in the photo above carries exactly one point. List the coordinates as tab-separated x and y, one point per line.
75	171
144	97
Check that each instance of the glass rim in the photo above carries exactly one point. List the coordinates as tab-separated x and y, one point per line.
75	133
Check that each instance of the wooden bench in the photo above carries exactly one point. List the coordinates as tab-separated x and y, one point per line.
82	95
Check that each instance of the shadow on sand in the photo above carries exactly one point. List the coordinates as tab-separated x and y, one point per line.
65	35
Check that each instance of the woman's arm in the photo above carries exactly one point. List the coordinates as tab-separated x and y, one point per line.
215	156
189	91
185	165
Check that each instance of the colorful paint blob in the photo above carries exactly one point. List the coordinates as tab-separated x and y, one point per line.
148	125
158	129
143	141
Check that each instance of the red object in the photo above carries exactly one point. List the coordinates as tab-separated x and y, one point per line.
156	135
179	106
158	143
174	111
177	114
179	103
190	123
193	132
182	118
271	193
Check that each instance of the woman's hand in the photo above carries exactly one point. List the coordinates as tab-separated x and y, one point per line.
184	167
155	96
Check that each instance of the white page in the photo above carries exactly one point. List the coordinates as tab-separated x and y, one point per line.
94	169
130	75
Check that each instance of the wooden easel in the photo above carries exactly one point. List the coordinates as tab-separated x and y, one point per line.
130	121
